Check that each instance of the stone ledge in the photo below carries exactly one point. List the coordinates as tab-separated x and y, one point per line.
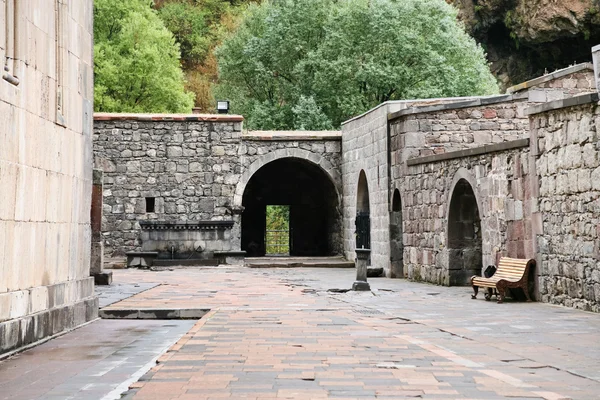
281	136
587	98
550	77
185	226
21	333
153	313
490	148
467	103
167	117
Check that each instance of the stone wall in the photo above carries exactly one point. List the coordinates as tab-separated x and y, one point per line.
46	97
364	144
196	168
190	167
498	179
564	141
430	130
365	148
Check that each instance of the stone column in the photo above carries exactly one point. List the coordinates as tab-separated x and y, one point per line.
362	260
97	253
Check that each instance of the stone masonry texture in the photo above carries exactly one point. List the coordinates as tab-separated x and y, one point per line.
196	170
568	169
46	96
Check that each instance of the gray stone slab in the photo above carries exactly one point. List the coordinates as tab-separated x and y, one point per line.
97	361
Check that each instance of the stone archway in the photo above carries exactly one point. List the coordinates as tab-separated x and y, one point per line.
313	158
396	243
464	234
309	193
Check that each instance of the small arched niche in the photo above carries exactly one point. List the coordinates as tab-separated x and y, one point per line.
396	232
464	235
363	218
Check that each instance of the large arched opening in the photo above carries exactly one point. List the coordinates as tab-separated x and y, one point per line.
464	235
305	193
396	243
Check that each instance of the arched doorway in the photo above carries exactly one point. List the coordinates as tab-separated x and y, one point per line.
363	217
396	243
464	235
311	201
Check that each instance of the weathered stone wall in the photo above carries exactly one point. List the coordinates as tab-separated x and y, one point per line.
562	84
196	167
190	167
462	125
364	145
498	178
564	141
46	97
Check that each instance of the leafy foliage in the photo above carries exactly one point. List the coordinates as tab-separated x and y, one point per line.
278	230
199	26
311	64
136	60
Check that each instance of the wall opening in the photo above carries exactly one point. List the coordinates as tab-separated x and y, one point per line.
464	236
396	202
150	204
363	214
396	243
277	232
311	198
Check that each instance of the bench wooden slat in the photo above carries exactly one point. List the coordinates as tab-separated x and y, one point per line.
511	273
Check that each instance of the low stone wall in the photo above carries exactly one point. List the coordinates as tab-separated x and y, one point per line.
498	177
565	137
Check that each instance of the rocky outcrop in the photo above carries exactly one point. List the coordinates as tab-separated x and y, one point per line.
525	38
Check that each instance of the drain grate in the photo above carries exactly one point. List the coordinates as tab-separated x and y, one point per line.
369	312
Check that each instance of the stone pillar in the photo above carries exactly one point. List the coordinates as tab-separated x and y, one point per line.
97	253
362	260
596	60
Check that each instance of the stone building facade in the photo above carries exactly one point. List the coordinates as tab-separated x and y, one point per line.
46	95
468	183
447	186
175	176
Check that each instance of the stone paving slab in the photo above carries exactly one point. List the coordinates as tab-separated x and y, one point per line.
109	294
97	361
281	334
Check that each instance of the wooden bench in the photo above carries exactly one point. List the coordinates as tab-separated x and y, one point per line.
511	273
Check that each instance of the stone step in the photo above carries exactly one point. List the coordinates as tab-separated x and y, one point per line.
152	313
298	262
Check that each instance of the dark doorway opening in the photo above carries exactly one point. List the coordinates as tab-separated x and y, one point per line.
363	213
312	201
464	235
396	243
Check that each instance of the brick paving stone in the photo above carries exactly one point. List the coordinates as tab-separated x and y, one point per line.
268	337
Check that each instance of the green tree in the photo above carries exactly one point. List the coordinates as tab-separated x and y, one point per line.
136	60
311	64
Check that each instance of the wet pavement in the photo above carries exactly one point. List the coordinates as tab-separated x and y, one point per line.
97	361
279	333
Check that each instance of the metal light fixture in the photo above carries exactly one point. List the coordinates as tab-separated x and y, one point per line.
223	106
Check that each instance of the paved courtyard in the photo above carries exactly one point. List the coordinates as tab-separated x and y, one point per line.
280	333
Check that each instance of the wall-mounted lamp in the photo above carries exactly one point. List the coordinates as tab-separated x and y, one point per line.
223	106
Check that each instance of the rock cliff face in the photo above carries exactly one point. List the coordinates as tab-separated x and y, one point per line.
524	38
